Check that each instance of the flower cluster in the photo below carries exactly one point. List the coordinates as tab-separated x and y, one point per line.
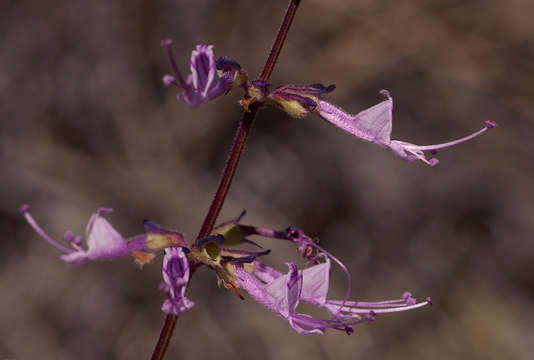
210	79
235	268
238	269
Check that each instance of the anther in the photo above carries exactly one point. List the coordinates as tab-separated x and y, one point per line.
490	124
168	80
166	43
24	209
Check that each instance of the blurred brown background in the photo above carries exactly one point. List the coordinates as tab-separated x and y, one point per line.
86	122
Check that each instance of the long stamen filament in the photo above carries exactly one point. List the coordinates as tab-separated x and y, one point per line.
345	270
387	310
167	44
450	143
367	303
24	210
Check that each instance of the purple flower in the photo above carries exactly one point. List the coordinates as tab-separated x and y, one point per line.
375	124
175	279
208	80
282	293
103	241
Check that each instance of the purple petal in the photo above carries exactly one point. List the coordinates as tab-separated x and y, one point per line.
203	71
284	292
315	282
373	125
191	98
265	273
306	325
255	288
103	241
176	277
294	287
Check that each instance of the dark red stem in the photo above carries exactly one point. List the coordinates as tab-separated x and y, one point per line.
240	139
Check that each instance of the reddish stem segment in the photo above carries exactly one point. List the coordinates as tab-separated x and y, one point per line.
280	39
230	168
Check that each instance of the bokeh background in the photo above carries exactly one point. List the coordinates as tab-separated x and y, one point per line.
86	122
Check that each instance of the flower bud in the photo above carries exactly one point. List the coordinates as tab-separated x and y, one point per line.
299	101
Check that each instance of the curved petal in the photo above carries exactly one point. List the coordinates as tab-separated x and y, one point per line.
103	241
284	292
176	277
203	71
373	124
315	282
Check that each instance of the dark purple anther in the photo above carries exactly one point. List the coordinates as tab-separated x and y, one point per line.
24	209
69	236
490	124
371	316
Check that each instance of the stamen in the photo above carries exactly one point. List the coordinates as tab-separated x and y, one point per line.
69	236
24	210
167	45
386	310
74	240
371	316
408	298
488	125
168	80
365	304
345	270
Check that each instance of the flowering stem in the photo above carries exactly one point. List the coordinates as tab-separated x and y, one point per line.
230	168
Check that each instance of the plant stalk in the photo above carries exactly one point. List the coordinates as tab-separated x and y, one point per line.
240	139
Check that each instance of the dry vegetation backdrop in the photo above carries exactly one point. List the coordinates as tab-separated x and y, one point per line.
86	122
